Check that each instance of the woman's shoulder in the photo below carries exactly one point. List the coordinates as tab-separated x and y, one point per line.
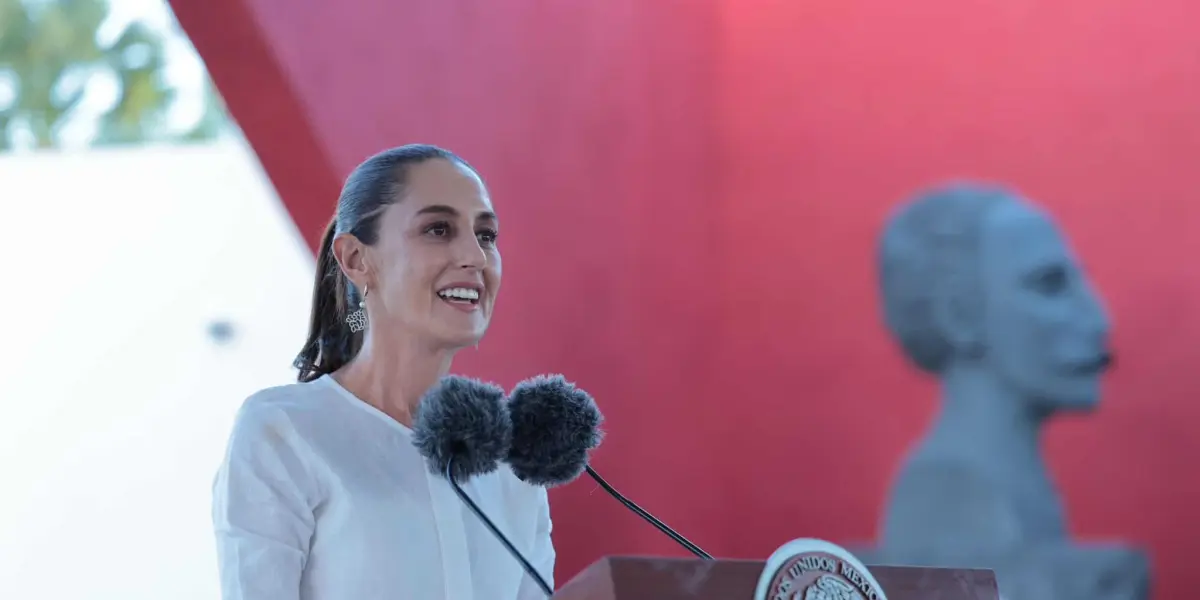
292	396
283	405
277	400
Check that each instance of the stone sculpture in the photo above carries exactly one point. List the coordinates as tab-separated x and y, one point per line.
982	290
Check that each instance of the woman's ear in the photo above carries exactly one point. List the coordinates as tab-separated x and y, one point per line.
351	255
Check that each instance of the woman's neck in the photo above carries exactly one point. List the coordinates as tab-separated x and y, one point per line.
394	377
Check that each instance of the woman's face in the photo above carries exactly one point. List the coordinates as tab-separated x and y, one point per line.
435	268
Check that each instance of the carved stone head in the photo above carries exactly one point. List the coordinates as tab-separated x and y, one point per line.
975	277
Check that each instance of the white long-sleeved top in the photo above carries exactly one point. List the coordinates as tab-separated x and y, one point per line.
323	497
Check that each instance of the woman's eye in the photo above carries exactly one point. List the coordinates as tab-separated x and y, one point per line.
438	229
486	237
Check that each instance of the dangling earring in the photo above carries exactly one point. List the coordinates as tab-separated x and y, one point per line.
357	320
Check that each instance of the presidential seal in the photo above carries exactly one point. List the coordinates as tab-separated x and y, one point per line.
808	569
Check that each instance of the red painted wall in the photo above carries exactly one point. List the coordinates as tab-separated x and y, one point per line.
690	192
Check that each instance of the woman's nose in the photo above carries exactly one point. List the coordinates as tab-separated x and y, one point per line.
470	254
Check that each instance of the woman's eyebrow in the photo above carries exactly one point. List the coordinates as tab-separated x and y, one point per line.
442	209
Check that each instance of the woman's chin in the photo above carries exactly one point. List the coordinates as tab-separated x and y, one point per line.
458	338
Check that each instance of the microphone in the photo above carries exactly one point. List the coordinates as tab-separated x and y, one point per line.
554	427
463	429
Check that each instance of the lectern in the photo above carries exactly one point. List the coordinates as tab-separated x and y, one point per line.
641	578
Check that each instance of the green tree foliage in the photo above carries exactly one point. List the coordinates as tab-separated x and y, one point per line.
215	118
50	52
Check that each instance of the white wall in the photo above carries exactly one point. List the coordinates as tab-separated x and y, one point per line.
114	401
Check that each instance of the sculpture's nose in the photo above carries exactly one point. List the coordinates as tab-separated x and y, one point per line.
1096	329
1094	316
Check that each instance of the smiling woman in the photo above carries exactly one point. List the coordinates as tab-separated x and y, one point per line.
322	494
441	240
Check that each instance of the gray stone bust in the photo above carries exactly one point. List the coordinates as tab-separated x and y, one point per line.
982	290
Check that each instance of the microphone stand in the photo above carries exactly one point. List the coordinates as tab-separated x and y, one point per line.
537	578
679	539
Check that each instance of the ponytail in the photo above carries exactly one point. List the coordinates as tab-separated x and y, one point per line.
330	344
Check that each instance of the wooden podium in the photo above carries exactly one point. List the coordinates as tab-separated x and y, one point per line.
640	578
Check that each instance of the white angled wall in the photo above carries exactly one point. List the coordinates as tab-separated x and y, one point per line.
115	399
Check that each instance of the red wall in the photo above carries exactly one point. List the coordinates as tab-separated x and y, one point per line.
690	192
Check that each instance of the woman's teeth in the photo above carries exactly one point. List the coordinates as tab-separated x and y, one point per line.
460	294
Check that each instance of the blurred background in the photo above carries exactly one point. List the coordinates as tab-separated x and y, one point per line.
162	281
710	177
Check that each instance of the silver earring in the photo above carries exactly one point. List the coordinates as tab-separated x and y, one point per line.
357	320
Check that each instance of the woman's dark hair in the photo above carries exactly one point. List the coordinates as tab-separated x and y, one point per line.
373	185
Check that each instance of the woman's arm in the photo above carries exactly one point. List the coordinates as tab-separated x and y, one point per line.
262	508
542	555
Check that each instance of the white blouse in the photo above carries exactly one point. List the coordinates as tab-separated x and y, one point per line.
323	497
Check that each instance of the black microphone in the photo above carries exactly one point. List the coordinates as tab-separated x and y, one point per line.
554	427
463	429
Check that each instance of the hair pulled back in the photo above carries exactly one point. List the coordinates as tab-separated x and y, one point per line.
373	185
930	246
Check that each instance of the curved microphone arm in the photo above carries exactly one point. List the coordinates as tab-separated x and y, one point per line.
679	539
496	531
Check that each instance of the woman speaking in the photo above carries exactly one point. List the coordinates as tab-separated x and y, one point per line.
321	494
